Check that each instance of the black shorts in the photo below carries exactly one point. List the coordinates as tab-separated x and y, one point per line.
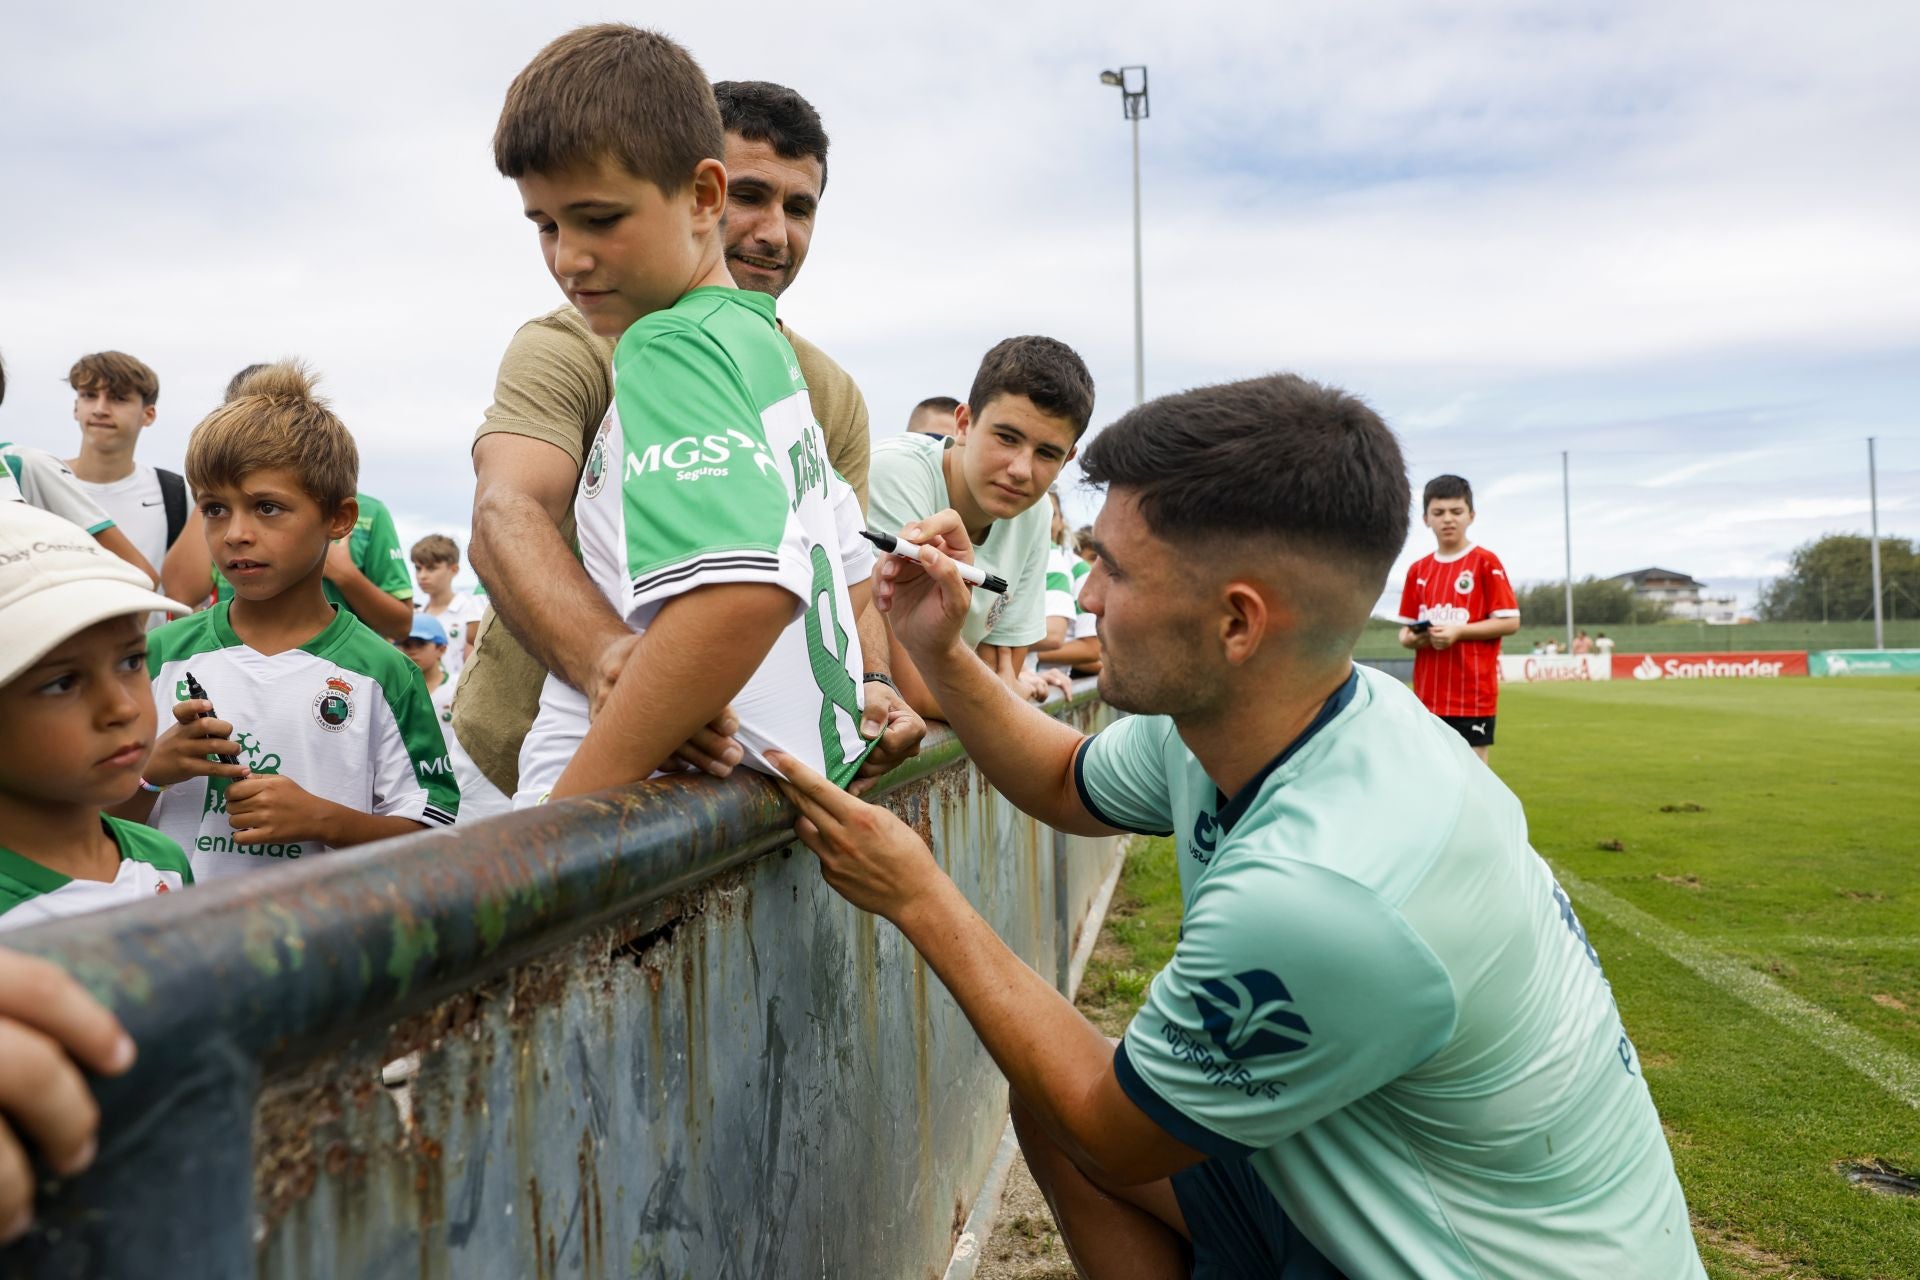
1477	730
1239	1229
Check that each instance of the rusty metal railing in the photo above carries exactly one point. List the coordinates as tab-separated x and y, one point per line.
623	1036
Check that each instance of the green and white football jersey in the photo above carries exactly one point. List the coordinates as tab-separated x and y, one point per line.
39	479
149	864
1382	999
345	715
709	468
1060	585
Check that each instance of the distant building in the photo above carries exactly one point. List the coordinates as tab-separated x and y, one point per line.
1681	594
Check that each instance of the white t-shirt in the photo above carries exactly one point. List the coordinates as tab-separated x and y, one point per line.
478	797
709	468
346	716
39	479
461	618
137	508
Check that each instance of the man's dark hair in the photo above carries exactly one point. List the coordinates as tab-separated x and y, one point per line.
1278	457
239	380
1446	487
610	92
937	404
1044	370
761	111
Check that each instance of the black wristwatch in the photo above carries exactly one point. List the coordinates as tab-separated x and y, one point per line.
880	677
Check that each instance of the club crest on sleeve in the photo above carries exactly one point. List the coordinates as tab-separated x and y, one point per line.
595	473
333	708
1250	1015
1464	583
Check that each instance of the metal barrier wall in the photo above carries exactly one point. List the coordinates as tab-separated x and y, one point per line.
644	1040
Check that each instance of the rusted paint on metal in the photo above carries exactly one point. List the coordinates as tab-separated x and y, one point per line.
645	993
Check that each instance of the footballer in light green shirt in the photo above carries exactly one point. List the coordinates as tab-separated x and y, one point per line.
1384	1046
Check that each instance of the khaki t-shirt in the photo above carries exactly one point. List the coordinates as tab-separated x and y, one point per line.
555	383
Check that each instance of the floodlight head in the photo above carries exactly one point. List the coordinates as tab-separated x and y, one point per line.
1111	77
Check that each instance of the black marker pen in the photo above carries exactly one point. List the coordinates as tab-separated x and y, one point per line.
910	551
198	694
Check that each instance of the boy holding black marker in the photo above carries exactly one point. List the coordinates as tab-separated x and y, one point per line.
332	736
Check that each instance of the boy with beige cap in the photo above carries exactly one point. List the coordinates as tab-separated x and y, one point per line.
79	709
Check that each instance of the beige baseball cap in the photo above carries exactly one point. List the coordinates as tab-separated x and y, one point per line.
56	581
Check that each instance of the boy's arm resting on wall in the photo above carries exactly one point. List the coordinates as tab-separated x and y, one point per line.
693	659
524	488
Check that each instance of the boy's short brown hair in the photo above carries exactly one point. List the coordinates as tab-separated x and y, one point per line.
1044	370
611	92
118	373
276	421
436	548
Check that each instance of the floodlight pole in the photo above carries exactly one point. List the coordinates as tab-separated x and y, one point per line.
1873	505
1566	516
1133	102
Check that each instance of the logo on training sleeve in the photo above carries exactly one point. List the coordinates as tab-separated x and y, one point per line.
1206	837
1250	1015
334	707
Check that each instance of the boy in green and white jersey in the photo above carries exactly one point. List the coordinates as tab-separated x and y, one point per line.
707	513
334	738
366	572
1029	404
80	725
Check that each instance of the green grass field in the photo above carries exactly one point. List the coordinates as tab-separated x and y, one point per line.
1759	922
1380	641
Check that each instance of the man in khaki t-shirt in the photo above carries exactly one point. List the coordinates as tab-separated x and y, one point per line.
554	386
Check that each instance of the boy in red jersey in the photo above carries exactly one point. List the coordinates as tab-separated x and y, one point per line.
1457	604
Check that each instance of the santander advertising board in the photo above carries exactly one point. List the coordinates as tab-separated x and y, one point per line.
1701	666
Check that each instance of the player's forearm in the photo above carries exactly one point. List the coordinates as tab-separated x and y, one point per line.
1052	1057
539	587
1057	629
1084	652
1024	752
692	661
389	616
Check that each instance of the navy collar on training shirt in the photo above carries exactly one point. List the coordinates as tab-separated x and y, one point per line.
1227	811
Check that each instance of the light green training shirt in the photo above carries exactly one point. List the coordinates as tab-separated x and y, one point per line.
907	483
1381	998
149	864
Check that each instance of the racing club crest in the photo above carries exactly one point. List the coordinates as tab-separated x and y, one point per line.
334	707
1464	583
594	475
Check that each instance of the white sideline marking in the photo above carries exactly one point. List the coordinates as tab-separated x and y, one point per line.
1892	1070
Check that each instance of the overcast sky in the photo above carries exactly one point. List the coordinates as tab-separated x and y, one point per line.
1680	241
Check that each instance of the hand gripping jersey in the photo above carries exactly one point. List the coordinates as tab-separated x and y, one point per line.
345	715
149	864
1468	586
710	468
1399	1024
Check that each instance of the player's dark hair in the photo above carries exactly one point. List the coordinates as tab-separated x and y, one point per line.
239	380
761	111
1044	370
610	92
1278	457
937	404
1446	487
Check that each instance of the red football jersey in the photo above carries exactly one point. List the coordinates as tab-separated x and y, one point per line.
1469	586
